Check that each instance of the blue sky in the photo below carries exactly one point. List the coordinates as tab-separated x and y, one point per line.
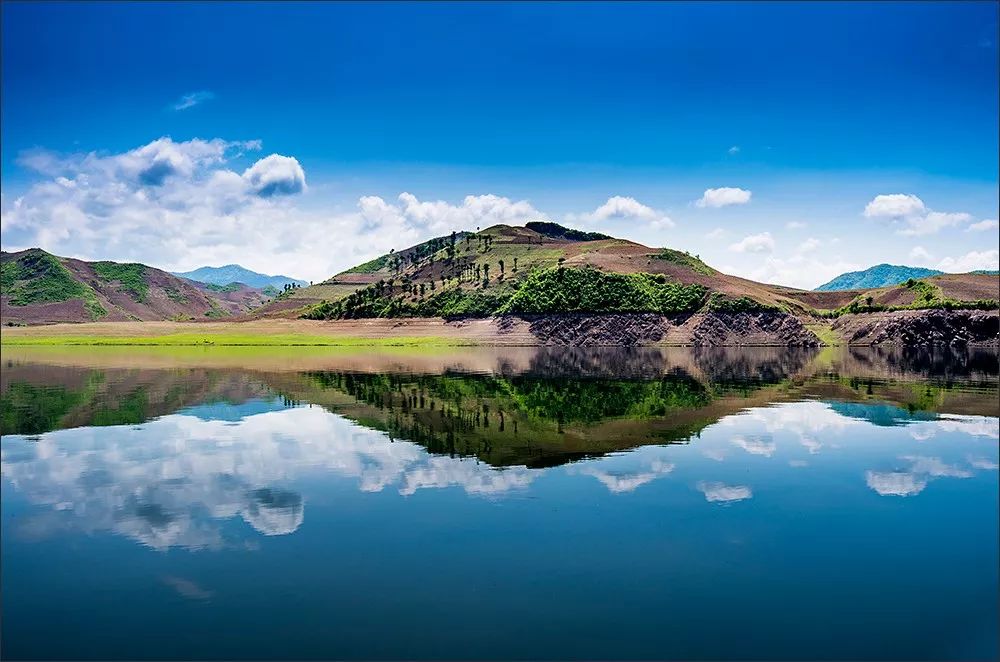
613	116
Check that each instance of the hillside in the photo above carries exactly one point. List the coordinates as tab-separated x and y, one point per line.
545	268
881	275
38	287
234	273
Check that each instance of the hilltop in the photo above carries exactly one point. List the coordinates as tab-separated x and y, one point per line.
234	273
39	288
881	275
545	268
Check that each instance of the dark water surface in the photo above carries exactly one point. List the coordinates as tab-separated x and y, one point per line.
475	503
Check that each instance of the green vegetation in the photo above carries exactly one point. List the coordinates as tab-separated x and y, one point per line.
371	266
131	277
682	258
927	296
556	231
176	295
230	287
270	290
29	409
552	290
38	277
209	338
561	290
215	312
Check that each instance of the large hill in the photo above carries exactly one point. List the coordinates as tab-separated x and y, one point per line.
546	268
234	273
37	287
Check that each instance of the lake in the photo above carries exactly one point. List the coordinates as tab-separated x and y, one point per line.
521	503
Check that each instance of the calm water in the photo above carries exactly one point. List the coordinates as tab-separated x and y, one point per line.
208	503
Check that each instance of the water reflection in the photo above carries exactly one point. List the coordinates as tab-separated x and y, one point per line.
338	491
239	441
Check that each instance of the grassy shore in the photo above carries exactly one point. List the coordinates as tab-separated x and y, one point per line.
232	340
271	333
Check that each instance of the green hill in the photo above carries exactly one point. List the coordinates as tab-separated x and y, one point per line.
880	275
37	287
546	268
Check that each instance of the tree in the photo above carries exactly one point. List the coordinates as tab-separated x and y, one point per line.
515	265
501	268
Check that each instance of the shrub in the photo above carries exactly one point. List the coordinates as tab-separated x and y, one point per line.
559	290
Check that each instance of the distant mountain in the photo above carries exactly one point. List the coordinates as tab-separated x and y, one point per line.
881	275
234	273
40	288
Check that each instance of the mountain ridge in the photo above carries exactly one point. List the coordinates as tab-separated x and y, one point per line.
234	273
41	288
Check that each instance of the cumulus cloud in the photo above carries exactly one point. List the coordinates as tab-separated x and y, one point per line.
192	99
910	210
191	206
276	175
723	197
625	208
984	225
971	261
755	243
894	205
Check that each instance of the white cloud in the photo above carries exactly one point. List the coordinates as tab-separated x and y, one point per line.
983	463
756	445
912	481
625	208
276	175
716	492
920	255
722	197
809	245
735	149
894	205
933	222
911	210
805	271
717	233
188	475
193	99
795	225
984	225
191	208
971	261
755	243
620	482
895	483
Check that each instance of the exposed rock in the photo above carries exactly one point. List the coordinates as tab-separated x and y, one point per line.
763	328
921	328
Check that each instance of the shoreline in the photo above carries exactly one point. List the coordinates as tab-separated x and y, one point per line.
762	329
